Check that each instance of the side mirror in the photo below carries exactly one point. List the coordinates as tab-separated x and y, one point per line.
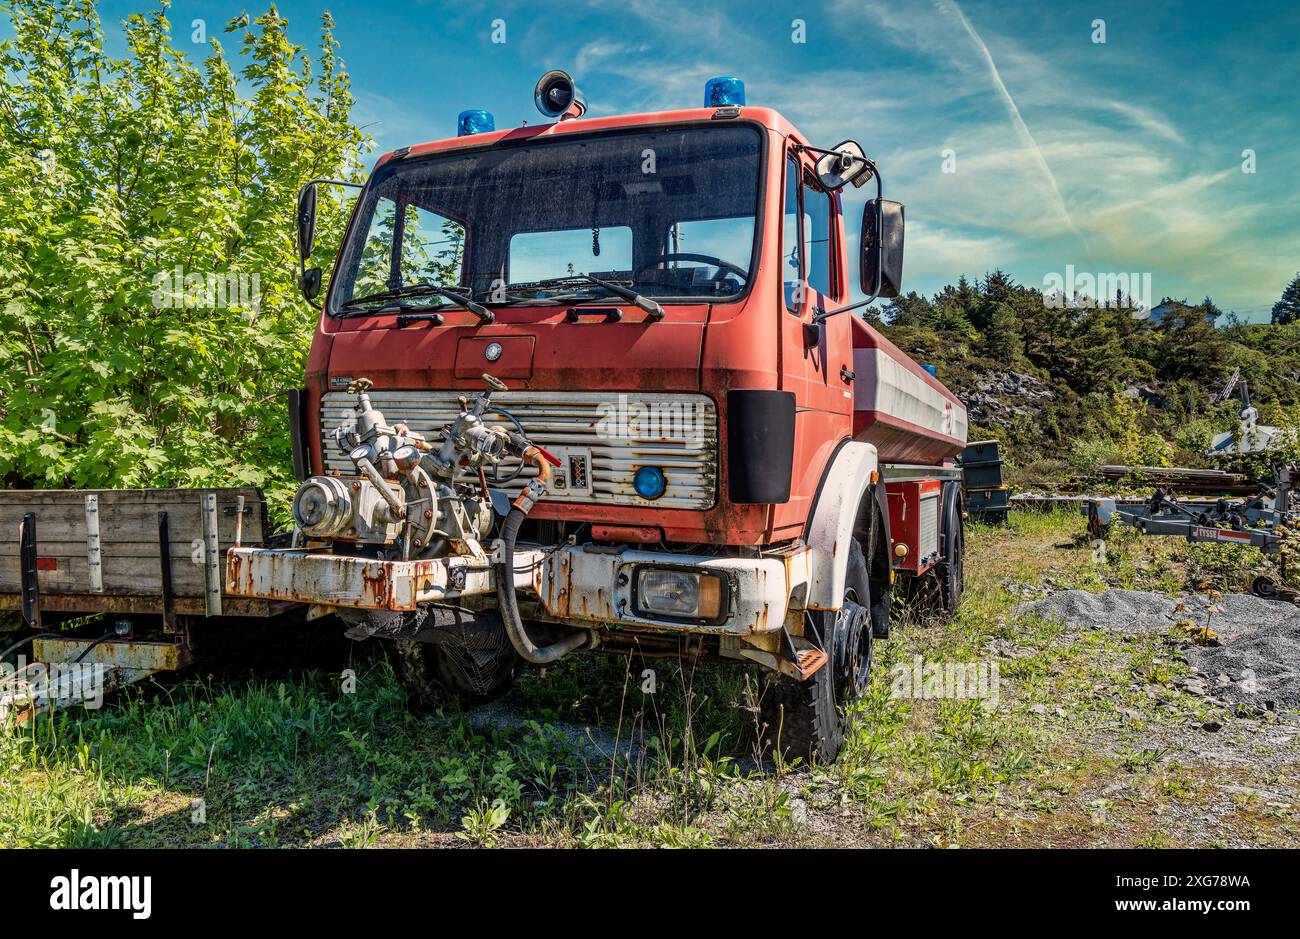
847	163
882	248
306	220
309	283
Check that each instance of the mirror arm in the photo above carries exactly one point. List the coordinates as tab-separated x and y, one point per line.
870	164
824	152
875	294
824	315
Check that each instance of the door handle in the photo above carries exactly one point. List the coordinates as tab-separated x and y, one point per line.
846	374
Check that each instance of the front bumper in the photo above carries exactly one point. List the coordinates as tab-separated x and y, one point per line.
576	584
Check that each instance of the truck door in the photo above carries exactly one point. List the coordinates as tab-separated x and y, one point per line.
815	358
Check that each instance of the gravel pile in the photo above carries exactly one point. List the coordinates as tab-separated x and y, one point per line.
1257	662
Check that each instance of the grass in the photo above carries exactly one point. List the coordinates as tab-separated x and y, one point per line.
1091	742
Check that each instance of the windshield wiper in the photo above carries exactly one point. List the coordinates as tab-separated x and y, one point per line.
654	312
415	290
559	299
410	290
425	309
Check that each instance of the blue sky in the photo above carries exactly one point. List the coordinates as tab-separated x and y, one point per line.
1122	156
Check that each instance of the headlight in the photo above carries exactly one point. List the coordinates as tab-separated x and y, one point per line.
664	592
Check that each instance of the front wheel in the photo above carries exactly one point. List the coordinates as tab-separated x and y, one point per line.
433	673
809	719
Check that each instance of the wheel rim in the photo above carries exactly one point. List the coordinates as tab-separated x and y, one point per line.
852	649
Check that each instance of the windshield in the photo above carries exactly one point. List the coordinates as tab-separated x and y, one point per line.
669	214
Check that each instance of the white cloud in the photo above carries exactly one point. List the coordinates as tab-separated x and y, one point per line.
937	252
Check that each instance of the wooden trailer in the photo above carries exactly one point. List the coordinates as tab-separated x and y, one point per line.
133	558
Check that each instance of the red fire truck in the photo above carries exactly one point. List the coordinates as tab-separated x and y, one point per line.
598	383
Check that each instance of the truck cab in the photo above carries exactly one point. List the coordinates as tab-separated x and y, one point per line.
597	383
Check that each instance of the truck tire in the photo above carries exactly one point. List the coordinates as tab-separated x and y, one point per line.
808	719
432	676
881	591
952	569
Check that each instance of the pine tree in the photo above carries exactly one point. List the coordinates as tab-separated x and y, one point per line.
995	290
1287	309
1002	340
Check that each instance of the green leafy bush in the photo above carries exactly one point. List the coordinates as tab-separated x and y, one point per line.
149	319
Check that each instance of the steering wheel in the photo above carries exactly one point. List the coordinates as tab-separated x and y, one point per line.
719	263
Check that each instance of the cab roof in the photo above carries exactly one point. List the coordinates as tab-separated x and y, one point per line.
767	117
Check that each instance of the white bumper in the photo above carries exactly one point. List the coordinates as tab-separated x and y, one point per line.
574	584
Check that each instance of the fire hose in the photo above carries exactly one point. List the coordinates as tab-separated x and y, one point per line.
507	602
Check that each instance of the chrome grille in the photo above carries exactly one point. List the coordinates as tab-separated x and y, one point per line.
619	432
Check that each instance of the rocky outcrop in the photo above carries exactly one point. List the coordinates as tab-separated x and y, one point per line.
999	398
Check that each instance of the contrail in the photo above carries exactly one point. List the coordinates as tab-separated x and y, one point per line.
1022	129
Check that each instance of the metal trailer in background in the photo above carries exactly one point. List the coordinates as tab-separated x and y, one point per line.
1265	521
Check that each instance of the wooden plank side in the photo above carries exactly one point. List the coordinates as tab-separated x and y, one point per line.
180	549
121	576
119	496
143	603
129	515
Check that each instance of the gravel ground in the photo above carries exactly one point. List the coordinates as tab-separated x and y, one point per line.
1256	661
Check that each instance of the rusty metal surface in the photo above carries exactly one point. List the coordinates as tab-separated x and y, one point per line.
55	678
579	585
143	603
574	584
130	655
322	578
628	534
337	580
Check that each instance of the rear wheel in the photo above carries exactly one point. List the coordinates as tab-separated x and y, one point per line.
809	718
952	569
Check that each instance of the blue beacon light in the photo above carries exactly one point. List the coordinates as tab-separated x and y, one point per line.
649	482
723	91
475	121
